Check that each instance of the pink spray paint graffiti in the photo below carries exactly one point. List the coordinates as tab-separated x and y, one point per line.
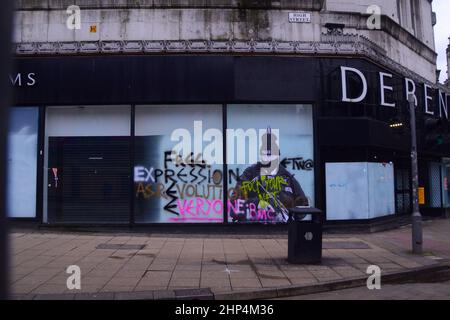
200	209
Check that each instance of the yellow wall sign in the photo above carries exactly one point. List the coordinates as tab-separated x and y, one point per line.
421	195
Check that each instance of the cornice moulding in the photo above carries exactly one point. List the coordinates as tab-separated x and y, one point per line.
329	45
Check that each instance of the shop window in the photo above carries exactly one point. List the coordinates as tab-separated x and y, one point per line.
359	190
87	164
22	162
178	173
270	161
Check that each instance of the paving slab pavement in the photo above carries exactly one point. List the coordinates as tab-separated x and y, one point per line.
139	263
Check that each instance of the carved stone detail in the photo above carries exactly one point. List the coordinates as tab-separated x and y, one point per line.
333	43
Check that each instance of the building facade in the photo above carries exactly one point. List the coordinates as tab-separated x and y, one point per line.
447	82
160	112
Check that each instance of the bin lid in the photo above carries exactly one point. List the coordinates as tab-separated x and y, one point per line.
305	210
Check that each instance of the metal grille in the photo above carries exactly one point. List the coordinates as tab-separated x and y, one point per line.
400	203
435	185
402	197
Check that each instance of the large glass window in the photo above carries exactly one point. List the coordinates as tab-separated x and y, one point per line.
22	162
87	164
270	161
178	173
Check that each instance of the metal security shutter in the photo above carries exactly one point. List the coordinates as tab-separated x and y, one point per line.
89	179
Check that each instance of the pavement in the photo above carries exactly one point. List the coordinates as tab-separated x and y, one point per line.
161	266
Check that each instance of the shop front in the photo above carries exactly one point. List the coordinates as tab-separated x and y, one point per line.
213	139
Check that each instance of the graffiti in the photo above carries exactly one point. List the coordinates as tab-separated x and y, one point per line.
200	206
181	178
187	190
150	174
142	174
190	189
190	160
233	175
171	193
268	185
200	209
298	163
272	186
209	191
187	187
149	190
242	211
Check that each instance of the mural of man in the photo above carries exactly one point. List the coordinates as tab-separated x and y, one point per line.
267	186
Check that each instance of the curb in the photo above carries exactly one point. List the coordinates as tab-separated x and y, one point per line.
283	292
207	294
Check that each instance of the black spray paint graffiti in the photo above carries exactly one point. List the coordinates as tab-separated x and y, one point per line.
185	178
298	163
185	181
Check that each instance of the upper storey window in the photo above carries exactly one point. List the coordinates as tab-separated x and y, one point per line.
405	14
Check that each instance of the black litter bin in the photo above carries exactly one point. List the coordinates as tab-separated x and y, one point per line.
305	236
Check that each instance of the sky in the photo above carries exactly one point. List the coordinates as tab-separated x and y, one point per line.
442	33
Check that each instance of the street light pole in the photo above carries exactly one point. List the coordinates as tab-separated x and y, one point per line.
416	216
